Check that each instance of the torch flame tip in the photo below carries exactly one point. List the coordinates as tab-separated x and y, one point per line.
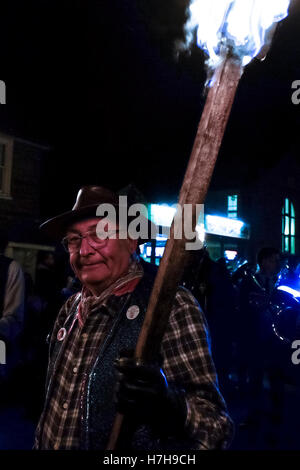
241	26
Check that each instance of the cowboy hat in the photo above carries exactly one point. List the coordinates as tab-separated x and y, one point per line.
87	201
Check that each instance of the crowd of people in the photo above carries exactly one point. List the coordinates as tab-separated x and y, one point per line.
252	324
221	323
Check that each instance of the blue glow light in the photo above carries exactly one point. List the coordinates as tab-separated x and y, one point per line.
161	238
231	254
159	251
289	290
148	251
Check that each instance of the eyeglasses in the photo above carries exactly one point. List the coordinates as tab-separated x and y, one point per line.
72	243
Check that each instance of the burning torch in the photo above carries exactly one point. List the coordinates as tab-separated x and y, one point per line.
232	33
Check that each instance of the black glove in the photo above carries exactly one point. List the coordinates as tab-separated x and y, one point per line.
144	394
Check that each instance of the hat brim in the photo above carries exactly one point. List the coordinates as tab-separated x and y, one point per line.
56	227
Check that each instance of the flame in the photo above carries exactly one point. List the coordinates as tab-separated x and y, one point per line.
242	25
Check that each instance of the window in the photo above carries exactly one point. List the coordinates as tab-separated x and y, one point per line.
6	151
288	230
232	206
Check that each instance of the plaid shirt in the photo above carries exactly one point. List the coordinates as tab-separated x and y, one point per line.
187	361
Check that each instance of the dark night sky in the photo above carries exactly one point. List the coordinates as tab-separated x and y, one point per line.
98	82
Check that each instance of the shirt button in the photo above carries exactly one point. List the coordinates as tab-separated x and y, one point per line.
65	405
75	369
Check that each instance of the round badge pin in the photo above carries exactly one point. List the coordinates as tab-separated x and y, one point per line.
61	334
132	312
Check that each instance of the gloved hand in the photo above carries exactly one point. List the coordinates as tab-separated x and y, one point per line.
144	394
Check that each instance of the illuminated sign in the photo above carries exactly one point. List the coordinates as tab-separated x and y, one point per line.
217	225
163	214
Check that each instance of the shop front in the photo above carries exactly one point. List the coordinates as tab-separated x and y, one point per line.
223	237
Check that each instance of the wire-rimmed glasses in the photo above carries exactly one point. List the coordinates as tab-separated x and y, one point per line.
72	242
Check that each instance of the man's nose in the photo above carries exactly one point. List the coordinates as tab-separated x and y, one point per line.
85	248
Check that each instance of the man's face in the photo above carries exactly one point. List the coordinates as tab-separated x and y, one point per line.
98	264
271	265
50	261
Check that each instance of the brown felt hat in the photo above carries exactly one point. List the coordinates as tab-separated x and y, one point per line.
87	201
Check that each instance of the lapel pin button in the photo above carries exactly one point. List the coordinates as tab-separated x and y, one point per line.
132	312
61	334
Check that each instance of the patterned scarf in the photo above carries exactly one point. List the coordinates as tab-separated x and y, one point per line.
125	284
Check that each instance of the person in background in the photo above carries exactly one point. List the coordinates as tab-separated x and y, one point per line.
11	305
43	301
210	283
258	351
268	260
72	286
47	289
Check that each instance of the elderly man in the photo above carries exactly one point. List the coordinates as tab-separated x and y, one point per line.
172	403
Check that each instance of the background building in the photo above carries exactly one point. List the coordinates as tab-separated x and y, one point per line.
244	214
20	180
268	198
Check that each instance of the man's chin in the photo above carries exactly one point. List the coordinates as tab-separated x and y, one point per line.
93	274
